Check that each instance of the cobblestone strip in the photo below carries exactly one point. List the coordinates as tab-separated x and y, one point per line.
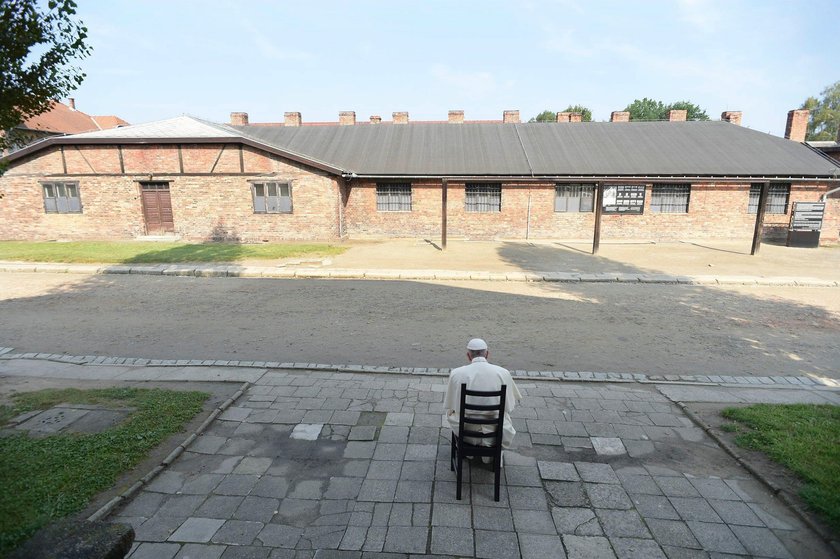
778	492
212	270
108	507
6	353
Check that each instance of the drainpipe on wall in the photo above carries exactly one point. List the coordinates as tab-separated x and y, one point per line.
528	217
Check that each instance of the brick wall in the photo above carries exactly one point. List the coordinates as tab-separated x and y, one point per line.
716	211
204	205
218	204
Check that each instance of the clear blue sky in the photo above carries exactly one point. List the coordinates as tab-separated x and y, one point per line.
207	58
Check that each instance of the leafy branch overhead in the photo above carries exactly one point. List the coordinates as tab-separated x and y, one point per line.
824	120
38	46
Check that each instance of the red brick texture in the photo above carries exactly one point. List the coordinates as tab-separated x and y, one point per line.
205	205
210	190
716	211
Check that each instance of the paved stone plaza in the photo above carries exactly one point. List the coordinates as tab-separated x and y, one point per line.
323	464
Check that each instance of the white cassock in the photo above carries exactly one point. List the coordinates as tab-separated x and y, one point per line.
481	375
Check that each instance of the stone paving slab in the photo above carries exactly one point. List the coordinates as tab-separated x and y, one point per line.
376	482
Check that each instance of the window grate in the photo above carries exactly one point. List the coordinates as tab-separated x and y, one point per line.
777	198
272	197
393	197
574	197
485	197
670	198
62	198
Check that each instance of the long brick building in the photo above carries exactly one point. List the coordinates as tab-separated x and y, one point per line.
198	180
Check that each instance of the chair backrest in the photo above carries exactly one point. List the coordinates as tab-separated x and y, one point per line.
483	413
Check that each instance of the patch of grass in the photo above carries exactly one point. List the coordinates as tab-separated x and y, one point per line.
52	477
94	252
729	427
806	439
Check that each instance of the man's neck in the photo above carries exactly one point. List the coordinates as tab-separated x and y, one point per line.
479	359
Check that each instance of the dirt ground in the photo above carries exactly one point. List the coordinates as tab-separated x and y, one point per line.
653	329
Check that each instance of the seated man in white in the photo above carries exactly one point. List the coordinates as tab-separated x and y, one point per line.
481	375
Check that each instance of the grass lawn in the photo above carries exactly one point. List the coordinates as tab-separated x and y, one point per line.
803	437
132	252
52	477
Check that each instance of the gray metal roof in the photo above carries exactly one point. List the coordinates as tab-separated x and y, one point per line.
586	149
549	149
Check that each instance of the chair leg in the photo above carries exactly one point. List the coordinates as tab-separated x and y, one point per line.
452	454
497	467
458	475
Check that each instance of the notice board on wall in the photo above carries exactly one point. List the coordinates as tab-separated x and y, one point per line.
624	198
807	216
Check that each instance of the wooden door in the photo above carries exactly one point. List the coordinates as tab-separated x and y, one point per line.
157	208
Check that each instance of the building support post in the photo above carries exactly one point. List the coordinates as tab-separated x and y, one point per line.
445	185
759	218
599	206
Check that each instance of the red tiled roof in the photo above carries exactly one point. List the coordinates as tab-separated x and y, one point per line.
61	119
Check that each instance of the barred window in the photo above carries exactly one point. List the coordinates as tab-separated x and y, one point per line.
272	197
485	197
777	198
62	198
670	198
393	197
574	197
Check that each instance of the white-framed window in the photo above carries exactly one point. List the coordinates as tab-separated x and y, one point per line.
393	197
62	198
272	197
483	197
670	198
777	198
574	197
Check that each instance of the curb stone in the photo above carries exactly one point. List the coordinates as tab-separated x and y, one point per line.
109	507
282	272
801	382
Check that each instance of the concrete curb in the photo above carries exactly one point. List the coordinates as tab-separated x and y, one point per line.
801	382
109	507
209	271
788	500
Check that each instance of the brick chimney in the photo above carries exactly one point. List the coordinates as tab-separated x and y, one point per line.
71	102
375	119
347	118
677	115
575	117
731	116
620	116
797	125
239	119
400	117
510	117
456	117
563	117
292	119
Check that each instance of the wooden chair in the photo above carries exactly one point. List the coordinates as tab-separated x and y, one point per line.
466	425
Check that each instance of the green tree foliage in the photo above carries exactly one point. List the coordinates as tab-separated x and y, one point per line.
650	109
551	116
586	113
646	109
693	111
824	119
38	43
545	116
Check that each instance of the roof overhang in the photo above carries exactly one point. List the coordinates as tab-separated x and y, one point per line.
73	141
603	178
